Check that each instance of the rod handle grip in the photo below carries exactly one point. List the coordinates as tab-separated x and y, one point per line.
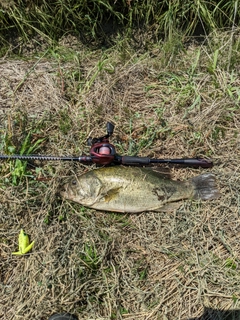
129	160
199	162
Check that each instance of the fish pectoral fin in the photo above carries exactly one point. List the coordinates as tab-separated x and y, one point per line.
111	194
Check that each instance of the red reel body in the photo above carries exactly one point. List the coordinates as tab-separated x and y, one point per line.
103	153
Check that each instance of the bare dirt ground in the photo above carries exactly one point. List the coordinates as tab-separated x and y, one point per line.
97	265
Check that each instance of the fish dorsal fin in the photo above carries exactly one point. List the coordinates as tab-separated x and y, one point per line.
164	173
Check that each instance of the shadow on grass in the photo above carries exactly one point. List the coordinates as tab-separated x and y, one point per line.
214	314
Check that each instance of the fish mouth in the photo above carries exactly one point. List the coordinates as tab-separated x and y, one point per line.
65	192
62	193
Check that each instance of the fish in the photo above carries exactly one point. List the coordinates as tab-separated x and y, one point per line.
135	189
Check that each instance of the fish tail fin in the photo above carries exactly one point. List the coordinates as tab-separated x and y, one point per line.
205	187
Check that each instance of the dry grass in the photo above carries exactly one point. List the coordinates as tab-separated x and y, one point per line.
112	266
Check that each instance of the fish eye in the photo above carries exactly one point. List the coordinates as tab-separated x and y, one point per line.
74	182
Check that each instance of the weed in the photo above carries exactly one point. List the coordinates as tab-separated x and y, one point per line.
53	20
213	66
19	168
231	264
89	256
218	133
46	220
143	274
123	310
118	219
65	122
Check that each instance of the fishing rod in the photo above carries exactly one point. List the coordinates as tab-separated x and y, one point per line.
103	153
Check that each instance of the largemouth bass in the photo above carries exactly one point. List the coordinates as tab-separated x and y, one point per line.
134	189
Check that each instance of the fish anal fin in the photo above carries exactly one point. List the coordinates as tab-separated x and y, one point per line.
169	207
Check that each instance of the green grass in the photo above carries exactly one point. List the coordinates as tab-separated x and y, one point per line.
101	21
168	100
89	257
29	145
